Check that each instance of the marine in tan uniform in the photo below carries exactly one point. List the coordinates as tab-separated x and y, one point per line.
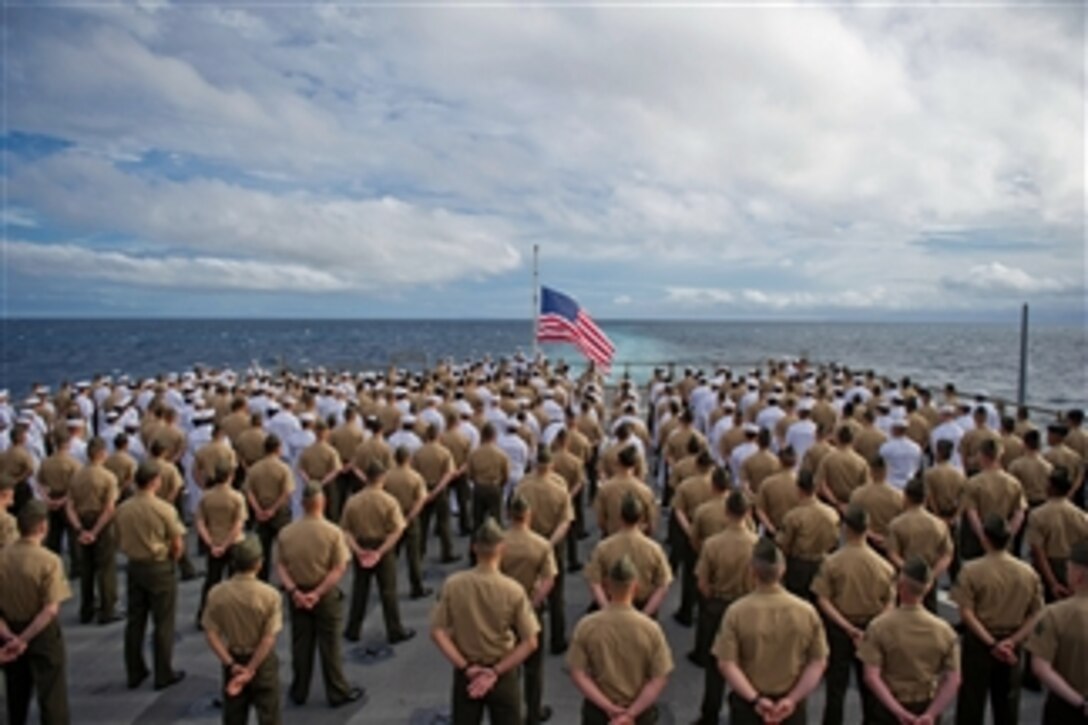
971	442
435	463
1032	470
619	659
778	493
881	502
236	421
9	526
484	625
373	524
312	557
1012	445
408	487
572	468
529	559
213	453
220	518
917	532
18	463
250	443
1059	454
612	492
869	439
488	469
268	489
170	490
654	572
454	440
54	481
710	517
809	532
553	515
150	535
123	465
1059	648
991	491
723	571
911	657
854	586
693	492
1052	531
841	471
32	588
759	465
999	597
320	463
771	648
241	622
346	439
92	497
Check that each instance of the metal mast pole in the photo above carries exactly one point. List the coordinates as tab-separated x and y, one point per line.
536	300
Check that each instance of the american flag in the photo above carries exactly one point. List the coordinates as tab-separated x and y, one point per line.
563	320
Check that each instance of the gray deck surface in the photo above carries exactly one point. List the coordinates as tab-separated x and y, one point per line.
408	685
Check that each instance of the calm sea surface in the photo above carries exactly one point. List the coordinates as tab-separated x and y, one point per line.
973	356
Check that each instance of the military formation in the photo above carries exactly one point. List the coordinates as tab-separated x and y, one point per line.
815	517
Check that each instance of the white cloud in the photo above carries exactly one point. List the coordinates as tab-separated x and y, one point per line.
13	216
196	273
622	300
754	299
996	278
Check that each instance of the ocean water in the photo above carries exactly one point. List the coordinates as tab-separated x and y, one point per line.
975	357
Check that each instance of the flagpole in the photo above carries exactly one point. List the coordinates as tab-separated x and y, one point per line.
536	300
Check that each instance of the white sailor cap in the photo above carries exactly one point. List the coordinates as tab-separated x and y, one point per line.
33	401
112	415
512	424
947	409
806	404
26	416
899	419
41	389
307	417
75	423
751	428
4	394
273	407
287	400
83	384
407	419
728	404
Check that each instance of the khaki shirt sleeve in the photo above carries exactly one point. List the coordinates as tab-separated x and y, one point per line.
274	623
895	544
950	662
289	486
663	571
525	623
821	583
548	568
442	615
396	518
726	645
1036	596
1036	534
211	612
54	584
871	649
341	553
1043	642
595	570
702	566
174	527
817	646
577	656
784	538
963	592
661	662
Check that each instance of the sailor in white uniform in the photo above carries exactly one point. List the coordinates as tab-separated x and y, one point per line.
802	434
743	450
723	426
406	436
516	450
768	417
902	456
948	430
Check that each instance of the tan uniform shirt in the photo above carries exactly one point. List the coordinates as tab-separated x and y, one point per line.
406	486
370	451
757	467
868	442
1056	526
610	499
972	442
346	438
171	483
684	469
570	467
1003	591
234	424
269	479
859	582
221	508
93	488
994	492
123	466
809	531
56	474
458	444
212	455
842	470
250	445
318	461
917	532
913	649
371	515
1061	638
486	613
1069	459
31	577
310	548
692	493
172	440
772	636
549	501
1033	473
724	562
778	494
610	461
709	519
647	555
882	502
527	558
146	526
945	485
814	455
18	463
243	611
434	462
621	672
488	466
1012	447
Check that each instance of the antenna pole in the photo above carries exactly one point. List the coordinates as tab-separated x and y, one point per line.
536	300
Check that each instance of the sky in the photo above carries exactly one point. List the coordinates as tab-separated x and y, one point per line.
677	161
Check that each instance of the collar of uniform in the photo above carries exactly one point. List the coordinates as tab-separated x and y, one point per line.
621	606
768	589
245	575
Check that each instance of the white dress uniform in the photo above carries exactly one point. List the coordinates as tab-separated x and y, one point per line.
405	437
739	455
749	399
948	431
723	426
432	416
517	451
902	458
800	436
768	417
